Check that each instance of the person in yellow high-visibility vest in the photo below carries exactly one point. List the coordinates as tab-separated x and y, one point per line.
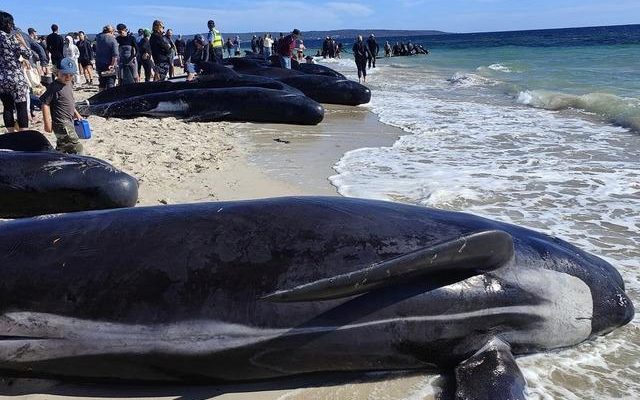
216	42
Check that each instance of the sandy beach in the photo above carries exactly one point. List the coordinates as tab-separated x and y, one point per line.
179	162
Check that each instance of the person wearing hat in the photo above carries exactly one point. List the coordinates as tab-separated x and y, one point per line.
196	53
374	49
286	46
59	108
216	43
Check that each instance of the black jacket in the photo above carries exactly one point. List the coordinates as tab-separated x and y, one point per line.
160	48
55	44
361	51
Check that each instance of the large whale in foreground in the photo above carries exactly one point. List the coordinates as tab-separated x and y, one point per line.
36	180
267	288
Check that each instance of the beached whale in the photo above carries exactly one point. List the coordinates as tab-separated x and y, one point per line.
248	290
221	77
253	104
320	87
40	181
25	141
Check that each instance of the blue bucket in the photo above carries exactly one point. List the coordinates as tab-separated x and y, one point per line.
82	128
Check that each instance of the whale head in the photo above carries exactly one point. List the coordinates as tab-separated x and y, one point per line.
612	308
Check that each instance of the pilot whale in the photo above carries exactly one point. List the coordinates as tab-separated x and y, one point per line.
255	104
36	180
250	290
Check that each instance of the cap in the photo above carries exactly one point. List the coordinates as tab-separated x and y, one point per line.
31	30
121	27
210	22
295	31
67	66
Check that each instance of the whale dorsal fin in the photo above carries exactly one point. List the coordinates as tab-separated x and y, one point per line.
491	374
477	252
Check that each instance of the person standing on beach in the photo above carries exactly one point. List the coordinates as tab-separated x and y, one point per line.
174	51
55	45
374	49
146	59
127	56
59	110
160	49
286	46
71	51
266	46
180	49
361	54
236	46
36	48
216	43
86	57
106	58
14	88
229	46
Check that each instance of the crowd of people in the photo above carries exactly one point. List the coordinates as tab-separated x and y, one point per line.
42	69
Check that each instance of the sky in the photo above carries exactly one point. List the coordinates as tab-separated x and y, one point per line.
188	16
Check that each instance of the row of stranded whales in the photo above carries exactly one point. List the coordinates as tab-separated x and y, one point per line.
315	82
36	180
221	96
290	96
261	289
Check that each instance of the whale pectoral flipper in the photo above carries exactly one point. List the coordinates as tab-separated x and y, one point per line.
474	253
491	374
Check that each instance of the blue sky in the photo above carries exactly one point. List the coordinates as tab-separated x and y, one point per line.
187	16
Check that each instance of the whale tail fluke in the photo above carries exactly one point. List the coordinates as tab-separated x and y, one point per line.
474	253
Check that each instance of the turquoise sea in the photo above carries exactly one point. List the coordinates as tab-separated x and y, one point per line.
537	128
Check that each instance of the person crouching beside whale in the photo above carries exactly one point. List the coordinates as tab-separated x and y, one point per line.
59	111
196	53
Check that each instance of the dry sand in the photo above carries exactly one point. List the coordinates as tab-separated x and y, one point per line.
178	162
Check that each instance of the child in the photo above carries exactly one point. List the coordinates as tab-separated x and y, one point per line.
59	111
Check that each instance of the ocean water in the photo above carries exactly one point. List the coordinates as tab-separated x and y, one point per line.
540	129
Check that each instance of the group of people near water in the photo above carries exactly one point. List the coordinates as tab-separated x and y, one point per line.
402	49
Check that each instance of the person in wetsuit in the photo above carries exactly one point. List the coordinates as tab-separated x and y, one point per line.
374	49
361	54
